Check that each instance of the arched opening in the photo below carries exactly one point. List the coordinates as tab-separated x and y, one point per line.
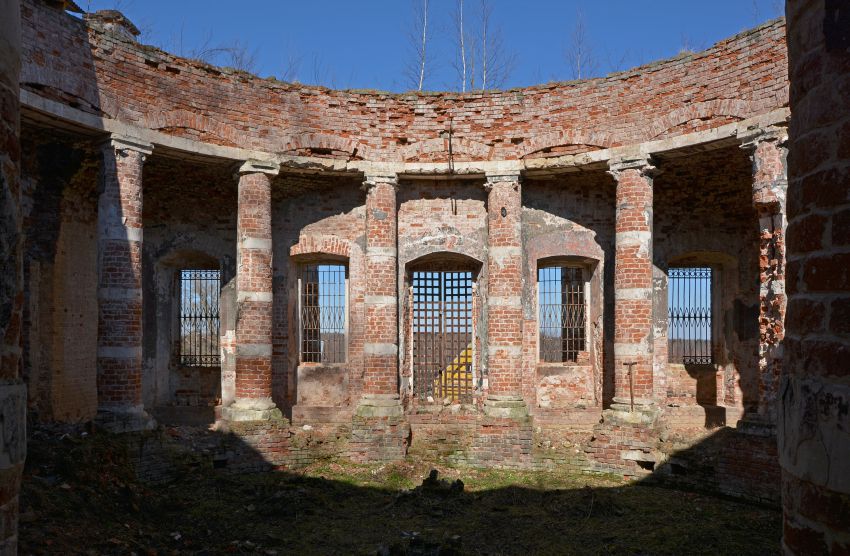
186	379
441	315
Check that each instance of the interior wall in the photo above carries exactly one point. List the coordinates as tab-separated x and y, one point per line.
704	215
60	270
306	209
189	212
571	215
444	222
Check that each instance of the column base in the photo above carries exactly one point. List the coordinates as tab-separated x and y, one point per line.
124	419
645	412
505	407
251	409
379	405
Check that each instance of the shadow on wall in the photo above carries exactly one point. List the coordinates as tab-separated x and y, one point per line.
113	494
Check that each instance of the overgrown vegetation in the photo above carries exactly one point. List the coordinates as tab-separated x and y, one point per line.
80	496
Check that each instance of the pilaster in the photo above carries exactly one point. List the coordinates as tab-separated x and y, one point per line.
504	296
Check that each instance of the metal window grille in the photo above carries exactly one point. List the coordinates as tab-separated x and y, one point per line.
442	333
689	327
562	313
199	318
323	323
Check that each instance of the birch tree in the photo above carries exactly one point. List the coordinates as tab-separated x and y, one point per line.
581	59
418	69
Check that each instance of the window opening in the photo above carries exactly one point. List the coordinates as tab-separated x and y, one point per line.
442	333
561	307
323	322
199	318
689	329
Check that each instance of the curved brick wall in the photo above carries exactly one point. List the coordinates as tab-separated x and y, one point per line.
107	74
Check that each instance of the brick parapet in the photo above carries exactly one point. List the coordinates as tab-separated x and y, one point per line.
164	92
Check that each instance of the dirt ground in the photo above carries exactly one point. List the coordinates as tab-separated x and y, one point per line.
80	496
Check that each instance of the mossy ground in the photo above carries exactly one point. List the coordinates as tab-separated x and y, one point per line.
80	497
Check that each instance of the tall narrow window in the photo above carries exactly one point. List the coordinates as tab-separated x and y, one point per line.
689	330
323	317
199	318
561	306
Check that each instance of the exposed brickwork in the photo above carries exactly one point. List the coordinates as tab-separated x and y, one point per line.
380	373
737	78
633	338
119	339
814	418
254	288
504	275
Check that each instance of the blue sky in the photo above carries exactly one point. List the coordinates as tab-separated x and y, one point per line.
365	44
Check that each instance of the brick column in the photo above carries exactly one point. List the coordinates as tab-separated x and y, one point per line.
504	297
770	181
253	400
813	428
380	350
633	333
13	392
119	337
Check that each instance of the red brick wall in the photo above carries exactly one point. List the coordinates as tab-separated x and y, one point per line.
814	416
737	78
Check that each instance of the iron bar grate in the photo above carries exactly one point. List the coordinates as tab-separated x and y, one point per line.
689	333
442	333
561	309
323	327
199	318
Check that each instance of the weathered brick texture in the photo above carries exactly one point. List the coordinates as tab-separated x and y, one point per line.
814	418
119	339
504	275
633	336
254	288
381	342
12	392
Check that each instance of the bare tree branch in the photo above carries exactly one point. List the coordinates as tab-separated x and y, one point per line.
581	60
418	69
462	40
497	63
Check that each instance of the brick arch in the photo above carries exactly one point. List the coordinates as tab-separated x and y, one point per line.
321	245
296	144
579	244
468	148
180	122
718	108
452	247
588	140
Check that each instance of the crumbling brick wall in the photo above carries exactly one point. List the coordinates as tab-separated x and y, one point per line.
740	77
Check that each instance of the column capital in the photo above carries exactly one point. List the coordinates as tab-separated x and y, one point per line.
257	166
123	143
502	176
371	180
752	138
644	163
